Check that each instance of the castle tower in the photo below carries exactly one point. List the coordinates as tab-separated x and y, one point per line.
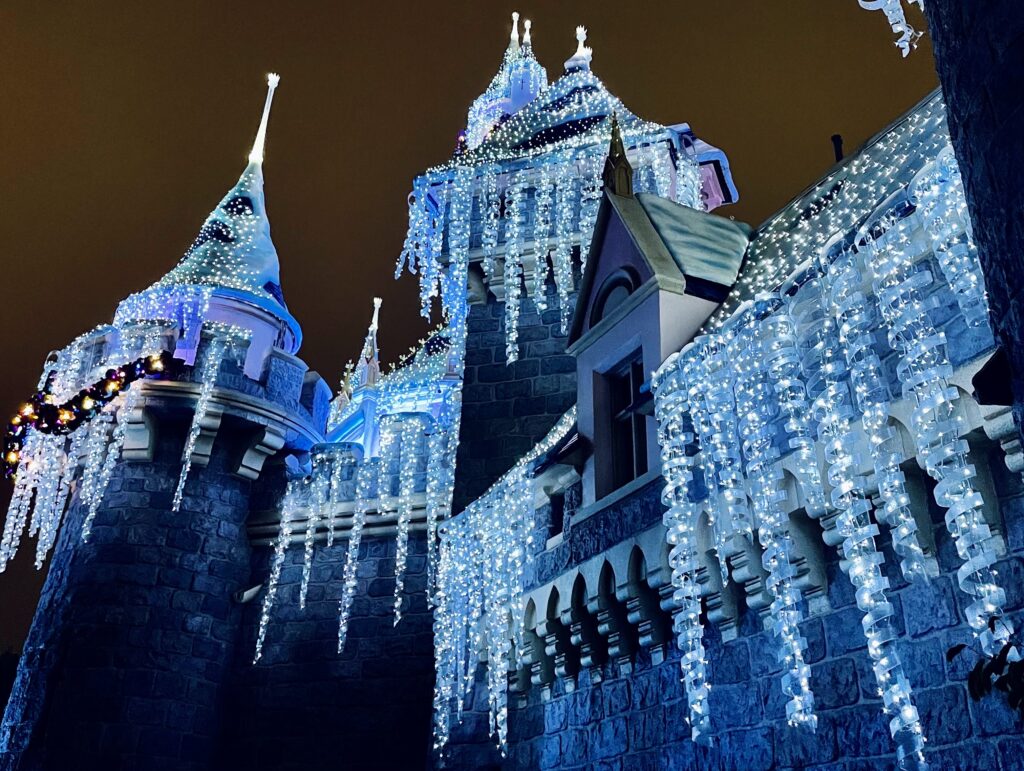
129	655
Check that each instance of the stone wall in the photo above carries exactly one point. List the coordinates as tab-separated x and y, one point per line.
133	638
304	705
979	54
508	408
633	717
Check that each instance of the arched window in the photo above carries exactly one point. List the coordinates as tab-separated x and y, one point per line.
613	292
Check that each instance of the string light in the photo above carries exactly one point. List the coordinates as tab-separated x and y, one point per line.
556	136
483	555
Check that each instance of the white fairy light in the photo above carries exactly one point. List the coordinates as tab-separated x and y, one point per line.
525	143
290	503
543	205
513	266
208	370
409	452
712	397
857	319
924	368
677	441
828	385
754	405
319	491
479	607
939	191
129	400
366	471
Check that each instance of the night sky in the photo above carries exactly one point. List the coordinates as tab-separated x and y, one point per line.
121	126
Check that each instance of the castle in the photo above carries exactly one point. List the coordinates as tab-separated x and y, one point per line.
660	491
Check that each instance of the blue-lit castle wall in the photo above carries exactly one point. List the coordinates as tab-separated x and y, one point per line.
304	705
631	714
508	408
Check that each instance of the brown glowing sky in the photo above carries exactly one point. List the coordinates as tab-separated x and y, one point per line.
123	124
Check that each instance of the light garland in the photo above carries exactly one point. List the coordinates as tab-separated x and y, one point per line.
37	451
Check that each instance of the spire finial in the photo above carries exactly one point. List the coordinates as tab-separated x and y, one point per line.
256	156
513	38
581	59
527	40
377	301
618	173
581	38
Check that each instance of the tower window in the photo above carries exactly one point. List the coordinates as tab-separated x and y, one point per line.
621	429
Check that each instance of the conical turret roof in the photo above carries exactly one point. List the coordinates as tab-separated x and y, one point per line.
233	249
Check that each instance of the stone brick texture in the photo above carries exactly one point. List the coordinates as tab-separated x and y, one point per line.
979	55
304	705
508	408
127	660
625	721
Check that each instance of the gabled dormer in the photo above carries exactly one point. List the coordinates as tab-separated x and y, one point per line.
656	272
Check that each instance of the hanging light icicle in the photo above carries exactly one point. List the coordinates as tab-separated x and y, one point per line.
207	376
437	456
924	368
543	207
409	453
319	490
756	410
782	358
561	257
21	498
939	190
896	15
366	470
825	370
676	439
713	387
490	204
591	191
483	554
514	198
857	319
128	401
294	493
707	459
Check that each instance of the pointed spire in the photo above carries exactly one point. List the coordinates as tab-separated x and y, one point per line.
256	156
233	249
581	59
618	173
368	369
527	40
